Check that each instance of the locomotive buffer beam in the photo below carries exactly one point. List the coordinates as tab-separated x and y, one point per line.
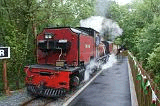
44	91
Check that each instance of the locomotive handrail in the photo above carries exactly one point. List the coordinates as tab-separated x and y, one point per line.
60	54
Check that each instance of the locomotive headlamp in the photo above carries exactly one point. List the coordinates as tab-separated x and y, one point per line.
48	35
62	41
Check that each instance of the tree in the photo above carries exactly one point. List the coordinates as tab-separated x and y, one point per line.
140	22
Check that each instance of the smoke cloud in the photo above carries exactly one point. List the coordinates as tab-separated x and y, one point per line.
106	27
111	61
90	68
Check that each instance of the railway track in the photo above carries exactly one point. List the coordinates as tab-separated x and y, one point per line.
27	102
37	101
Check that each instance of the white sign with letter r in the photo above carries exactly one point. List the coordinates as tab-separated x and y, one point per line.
1	52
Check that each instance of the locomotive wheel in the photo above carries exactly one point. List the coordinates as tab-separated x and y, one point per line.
75	81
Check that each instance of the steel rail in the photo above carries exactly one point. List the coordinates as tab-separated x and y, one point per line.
29	101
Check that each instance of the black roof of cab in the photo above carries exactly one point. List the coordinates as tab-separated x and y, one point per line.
83	30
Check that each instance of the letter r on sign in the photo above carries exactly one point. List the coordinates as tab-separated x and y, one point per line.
1	52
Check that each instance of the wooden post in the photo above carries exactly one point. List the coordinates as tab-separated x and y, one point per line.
6	88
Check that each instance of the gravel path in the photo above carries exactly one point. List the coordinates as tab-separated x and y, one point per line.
15	99
19	97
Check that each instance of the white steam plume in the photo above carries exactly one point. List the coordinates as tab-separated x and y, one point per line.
90	68
94	22
111	61
106	27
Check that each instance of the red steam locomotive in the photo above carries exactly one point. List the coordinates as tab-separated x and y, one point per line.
62	54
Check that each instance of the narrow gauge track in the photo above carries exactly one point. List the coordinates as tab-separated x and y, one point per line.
37	101
27	102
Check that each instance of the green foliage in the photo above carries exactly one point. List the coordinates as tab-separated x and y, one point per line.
149	37
64	13
140	22
154	63
118	41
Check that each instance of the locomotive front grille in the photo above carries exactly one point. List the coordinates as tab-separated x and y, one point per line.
44	91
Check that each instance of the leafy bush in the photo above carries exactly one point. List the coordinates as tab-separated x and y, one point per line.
154	64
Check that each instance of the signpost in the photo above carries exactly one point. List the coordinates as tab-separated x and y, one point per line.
4	54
